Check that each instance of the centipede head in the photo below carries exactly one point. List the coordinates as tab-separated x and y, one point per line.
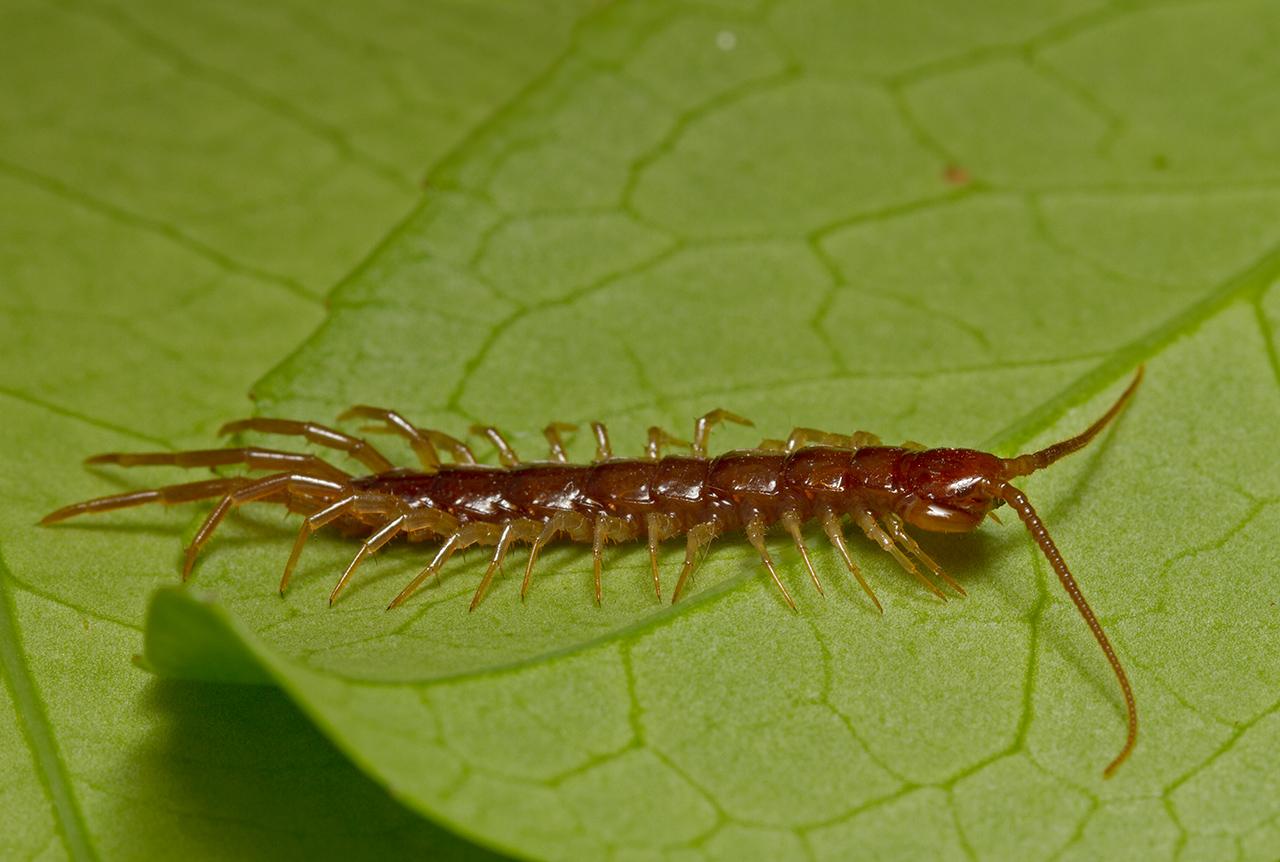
953	490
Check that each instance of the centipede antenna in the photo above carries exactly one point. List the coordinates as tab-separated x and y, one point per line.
1020	504
1032	461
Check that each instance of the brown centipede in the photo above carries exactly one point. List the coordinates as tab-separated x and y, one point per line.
811	475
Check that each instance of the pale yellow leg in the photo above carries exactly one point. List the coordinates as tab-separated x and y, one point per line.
791	523
867	522
698	537
755	535
898	530
506	455
371	545
702	428
831	525
552	432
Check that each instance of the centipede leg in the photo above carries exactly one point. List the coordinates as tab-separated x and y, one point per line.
702	428
801	437
552	432
896	529
561	522
309	525
384	534
657	527
443	553
280	484
597	554
755	535
252	457
831	526
867	522
658	438
168	495
499	553
361	450
418	439
791	523
698	537
506	455
604	451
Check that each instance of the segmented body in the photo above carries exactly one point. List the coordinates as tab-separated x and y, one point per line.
811	476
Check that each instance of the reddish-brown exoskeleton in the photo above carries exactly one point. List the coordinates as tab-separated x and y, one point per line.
812	475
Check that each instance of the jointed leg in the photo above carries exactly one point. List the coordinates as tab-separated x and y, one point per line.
169	495
603	450
597	554
281	485
755	535
385	533
359	449
658	527
252	457
896	529
698	537
867	522
801	437
791	523
831	525
552	432
309	525
419	440
659	438
702	428
562	522
499	552
506	454
443	553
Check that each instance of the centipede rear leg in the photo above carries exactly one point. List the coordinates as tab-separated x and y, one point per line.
252	457
359	449
279	488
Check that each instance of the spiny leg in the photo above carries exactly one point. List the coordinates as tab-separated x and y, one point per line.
359	449
552	432
658	527
698	537
604	451
168	495
867	522
896	529
384	534
499	552
755	535
831	525
253	457
443	553
506	454
657	439
801	437
282	483
561	522
702	428
309	525
597	554
397	424
791	523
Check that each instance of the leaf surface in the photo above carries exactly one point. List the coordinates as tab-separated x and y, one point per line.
965	230
174	196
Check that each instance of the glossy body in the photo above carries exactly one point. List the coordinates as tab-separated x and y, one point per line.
811	476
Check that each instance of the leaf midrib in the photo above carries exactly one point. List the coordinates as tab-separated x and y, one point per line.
37	730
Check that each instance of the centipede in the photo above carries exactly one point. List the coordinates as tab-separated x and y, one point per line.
810	476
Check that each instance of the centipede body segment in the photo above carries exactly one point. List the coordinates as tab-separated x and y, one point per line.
811	476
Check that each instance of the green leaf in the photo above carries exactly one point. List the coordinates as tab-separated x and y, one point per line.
177	186
965	229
